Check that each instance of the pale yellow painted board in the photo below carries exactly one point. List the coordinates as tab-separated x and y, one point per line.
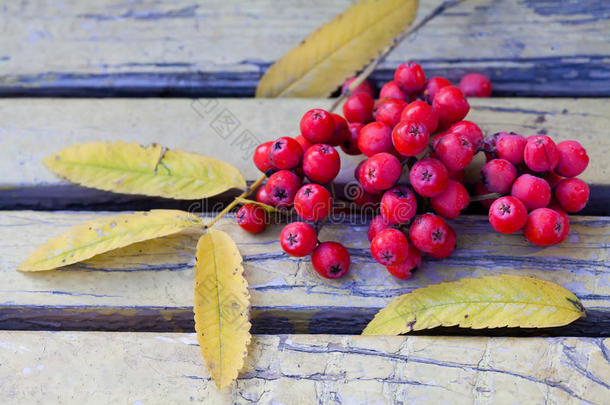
149	368
160	274
229	129
108	37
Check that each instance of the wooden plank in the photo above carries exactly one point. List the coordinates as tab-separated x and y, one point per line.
189	48
140	368
31	129
149	286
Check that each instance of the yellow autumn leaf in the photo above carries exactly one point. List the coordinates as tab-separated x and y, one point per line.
488	302
337	49
222	305
131	168
92	238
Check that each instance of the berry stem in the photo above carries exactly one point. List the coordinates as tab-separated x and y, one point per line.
229	207
490	196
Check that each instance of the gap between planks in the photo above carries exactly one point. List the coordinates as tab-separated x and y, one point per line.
149	285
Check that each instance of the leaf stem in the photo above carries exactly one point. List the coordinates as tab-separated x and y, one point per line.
229	207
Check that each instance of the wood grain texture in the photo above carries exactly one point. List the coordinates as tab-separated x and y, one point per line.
150	285
213	48
142	368
230	129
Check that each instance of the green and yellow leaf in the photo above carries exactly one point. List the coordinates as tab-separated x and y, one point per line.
131	168
222	305
338	49
488	302
102	235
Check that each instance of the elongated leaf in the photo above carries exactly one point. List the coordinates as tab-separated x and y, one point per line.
337	49
488	302
95	237
222	305
134	169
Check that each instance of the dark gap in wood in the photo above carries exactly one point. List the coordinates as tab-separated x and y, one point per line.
557	76
75	198
313	320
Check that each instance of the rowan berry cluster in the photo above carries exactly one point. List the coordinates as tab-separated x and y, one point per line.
417	145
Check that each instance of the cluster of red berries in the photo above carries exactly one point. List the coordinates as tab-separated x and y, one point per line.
417	146
287	161
538	177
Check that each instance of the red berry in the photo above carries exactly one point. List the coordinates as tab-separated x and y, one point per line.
282	187
298	239
572	194
331	260
261	157
450	105
317	126
455	151
359	108
262	196
429	177
573	159
381	171
378	224
398	205
533	191
410	77
433	85
321	163
447	248
566	220
453	200
365	87
312	202
429	233
364	199
544	227
507	215
410	137
392	90
285	153
389	247
470	130
374	138
341	132
403	270
540	153
350	144
359	174
552	178
475	85
480	189
510	147
252	218
457	176
498	175
422	112
388	110
305	144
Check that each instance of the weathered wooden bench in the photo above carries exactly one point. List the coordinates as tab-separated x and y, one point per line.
118	328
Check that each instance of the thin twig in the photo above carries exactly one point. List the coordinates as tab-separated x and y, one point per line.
395	42
229	207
